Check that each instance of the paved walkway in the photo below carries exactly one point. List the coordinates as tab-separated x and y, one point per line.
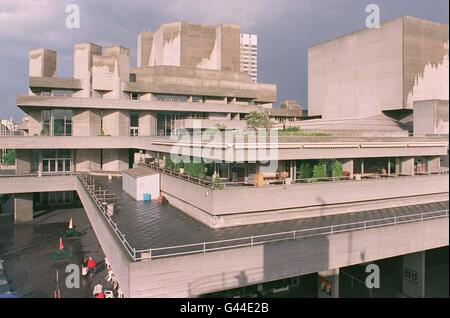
26	248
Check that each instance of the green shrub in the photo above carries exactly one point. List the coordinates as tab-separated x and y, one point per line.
306	170
194	169
337	169
9	158
168	163
320	170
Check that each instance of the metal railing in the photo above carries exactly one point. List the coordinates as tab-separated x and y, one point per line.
277	181
247	241
255	240
99	200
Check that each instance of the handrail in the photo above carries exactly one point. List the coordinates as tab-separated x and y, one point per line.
281	181
248	241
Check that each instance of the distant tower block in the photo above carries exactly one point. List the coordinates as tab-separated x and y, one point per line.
249	55
42	63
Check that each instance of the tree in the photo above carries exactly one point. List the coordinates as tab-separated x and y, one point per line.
9	158
305	170
258	119
337	169
320	170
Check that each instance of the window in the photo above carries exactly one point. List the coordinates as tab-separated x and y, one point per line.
197	99
56	122
171	98
132	78
134	123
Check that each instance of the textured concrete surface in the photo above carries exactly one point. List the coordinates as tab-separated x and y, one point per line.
355	76
26	251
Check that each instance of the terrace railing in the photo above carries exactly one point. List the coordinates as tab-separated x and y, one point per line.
247	241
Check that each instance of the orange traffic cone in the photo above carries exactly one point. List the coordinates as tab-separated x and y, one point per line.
61	245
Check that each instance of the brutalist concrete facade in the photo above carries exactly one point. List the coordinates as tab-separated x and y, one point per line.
375	70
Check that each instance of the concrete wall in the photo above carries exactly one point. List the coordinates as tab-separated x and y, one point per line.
42	63
83	62
23	207
147	123
111	246
23	161
116	122
247	205
431	117
115	159
20	185
86	122
191	46
194	275
425	73
357	76
86	160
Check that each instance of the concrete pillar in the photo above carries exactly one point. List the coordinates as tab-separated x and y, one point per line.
407	166
434	164
115	159
42	63
414	275
23	207
86	123
116	123
147	123
328	284
23	161
83	60
86	160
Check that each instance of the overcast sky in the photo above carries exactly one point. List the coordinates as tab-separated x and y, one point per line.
285	28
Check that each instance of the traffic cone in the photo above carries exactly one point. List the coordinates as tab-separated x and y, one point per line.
61	245
71	224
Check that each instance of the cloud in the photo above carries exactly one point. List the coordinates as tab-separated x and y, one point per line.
285	28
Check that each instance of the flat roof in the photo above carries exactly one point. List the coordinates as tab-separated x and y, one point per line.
139	172
153	225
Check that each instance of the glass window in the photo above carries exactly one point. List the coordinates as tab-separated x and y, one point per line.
134	119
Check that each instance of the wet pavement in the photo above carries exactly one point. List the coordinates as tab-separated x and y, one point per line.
153	225
26	248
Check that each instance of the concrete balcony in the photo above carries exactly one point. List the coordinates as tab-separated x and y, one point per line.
233	206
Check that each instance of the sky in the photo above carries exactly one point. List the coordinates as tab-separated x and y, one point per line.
285	28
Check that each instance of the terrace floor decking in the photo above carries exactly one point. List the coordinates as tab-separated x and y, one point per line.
154	225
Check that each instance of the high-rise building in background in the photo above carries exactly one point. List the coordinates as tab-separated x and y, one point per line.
249	55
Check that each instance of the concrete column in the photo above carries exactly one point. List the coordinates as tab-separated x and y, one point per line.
23	207
328	284
434	164
23	161
407	166
147	123
116	123
86	123
414	275
115	159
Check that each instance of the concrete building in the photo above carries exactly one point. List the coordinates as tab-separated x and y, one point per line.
360	179
249	55
379	70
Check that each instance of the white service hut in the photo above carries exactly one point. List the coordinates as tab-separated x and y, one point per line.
140	181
